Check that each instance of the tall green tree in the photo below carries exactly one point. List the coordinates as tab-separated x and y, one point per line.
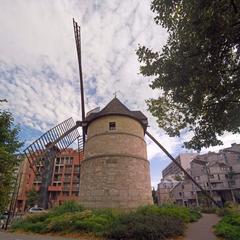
198	70
9	160
32	197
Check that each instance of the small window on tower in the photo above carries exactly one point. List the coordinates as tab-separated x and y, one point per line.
112	126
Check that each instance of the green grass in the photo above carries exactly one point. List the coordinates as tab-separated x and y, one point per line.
150	222
229	226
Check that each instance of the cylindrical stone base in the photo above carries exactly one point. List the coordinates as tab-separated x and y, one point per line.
113	181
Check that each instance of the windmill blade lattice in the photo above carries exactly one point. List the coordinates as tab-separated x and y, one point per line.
59	137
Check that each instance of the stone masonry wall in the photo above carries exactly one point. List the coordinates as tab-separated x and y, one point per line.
115	172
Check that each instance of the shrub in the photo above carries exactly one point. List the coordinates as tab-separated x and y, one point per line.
145	226
229	227
66	207
167	210
36	217
208	209
194	215
36	227
66	221
150	222
221	212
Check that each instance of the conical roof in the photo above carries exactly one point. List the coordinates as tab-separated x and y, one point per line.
116	107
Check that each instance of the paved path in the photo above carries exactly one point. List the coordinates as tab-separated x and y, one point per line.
202	230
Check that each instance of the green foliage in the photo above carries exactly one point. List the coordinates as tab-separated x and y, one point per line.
38	227
195	215
154	196
229	227
185	214
32	197
66	207
208	209
178	178
150	222
197	72
229	208
9	161
145	226
32	223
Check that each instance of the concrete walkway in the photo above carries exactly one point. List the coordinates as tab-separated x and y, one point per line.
203	229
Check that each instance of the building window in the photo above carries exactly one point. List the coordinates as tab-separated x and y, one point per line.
57	160
112	126
68	161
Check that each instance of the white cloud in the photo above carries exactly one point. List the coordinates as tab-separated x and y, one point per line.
38	62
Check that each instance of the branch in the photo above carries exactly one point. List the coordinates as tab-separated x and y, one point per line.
234	6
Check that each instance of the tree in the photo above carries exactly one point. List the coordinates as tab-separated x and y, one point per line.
197	72
32	197
9	160
178	178
154	196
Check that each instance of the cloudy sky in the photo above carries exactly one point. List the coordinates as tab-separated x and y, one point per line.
38	64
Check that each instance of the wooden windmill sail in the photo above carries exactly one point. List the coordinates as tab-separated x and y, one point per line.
44	150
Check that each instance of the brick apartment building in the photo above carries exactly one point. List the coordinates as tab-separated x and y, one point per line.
65	179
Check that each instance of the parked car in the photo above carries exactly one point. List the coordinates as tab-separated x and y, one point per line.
36	210
3	218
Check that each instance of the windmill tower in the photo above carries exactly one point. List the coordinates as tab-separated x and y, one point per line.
115	171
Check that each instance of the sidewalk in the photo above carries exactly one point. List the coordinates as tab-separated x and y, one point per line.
203	229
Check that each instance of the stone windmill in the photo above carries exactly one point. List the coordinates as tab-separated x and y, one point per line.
115	170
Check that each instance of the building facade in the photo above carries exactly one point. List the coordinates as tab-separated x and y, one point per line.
172	171
164	191
65	179
217	173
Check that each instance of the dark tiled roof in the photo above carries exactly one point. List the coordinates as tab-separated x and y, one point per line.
115	107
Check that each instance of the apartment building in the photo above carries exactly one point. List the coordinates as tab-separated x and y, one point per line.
164	190
218	173
172	170
65	179
184	193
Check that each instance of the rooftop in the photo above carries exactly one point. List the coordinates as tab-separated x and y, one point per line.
116	107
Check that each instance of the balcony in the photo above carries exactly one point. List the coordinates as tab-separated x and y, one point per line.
55	188
66	188
75	189
76	179
67	180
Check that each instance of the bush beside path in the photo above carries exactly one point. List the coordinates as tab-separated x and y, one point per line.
145	223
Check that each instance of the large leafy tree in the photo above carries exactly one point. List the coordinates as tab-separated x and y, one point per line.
9	159
198	70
